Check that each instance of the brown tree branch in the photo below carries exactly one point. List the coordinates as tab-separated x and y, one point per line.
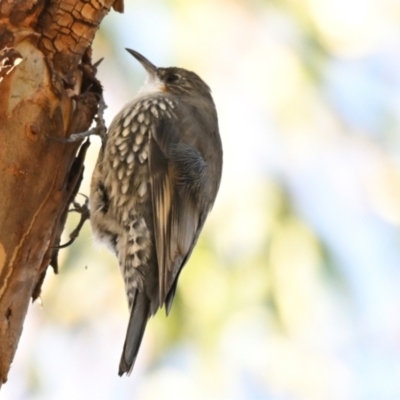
53	91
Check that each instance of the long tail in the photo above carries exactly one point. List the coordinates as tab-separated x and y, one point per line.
140	313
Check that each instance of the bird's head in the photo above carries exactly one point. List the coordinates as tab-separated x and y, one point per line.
172	80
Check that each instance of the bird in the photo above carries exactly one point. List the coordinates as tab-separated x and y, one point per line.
154	183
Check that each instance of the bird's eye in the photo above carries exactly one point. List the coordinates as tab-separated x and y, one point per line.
172	78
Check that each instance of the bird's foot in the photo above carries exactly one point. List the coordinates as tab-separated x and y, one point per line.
84	211
99	130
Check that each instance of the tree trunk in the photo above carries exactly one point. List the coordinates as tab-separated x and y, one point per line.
48	89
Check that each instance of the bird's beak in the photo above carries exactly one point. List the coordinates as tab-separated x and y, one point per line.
150	68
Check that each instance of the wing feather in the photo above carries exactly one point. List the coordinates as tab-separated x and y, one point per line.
178	215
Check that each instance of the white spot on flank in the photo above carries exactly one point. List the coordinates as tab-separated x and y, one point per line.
134	248
123	151
134	127
121	201
154	110
120	173
125	188
114	189
162	106
122	146
126	131
130	158
139	139
143	157
170	102
140	117
136	262
142	189
128	120
118	141
143	129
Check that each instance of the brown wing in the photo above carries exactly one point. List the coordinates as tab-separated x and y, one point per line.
177	172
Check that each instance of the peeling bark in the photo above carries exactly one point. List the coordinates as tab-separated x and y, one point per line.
48	89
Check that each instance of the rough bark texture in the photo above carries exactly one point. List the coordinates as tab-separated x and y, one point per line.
47	88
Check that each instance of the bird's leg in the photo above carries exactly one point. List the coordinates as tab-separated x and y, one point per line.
82	209
100	129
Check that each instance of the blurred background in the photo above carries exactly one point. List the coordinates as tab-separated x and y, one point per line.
293	292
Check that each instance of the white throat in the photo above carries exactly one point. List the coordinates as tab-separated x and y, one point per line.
151	85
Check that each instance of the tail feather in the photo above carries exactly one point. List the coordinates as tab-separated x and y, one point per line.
140	312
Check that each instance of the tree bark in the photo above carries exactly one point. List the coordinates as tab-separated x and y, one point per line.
48	89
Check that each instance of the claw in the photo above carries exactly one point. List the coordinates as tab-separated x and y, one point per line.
99	130
75	137
82	209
